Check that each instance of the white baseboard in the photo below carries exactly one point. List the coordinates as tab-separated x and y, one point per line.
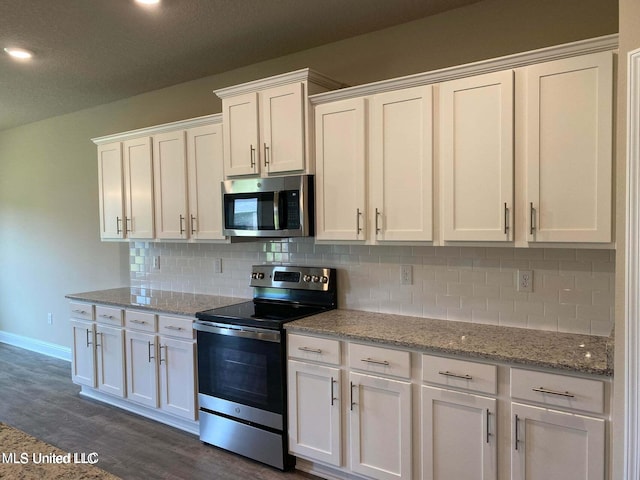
45	348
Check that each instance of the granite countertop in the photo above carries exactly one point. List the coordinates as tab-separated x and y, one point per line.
564	351
161	301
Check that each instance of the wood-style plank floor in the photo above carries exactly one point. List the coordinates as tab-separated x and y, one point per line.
38	397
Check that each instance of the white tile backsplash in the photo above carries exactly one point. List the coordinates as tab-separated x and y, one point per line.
573	288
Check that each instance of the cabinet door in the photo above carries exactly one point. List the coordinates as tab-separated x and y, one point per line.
380	427
83	360
340	170
282	114
205	169
476	157
177	377
138	185
458	436
552	444
401	165
568	127
142	371
170	185
314	412
241	142
110	360
111	191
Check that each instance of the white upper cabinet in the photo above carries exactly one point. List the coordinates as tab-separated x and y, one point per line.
111	190
138	186
476	157
170	181
267	124
401	165
205	172
568	130
340	170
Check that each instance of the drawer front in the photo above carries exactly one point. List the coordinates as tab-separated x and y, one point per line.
558	390
449	372
313	349
143	321
81	311
109	315
176	326
379	360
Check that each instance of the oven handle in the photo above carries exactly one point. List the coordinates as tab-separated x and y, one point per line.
236	331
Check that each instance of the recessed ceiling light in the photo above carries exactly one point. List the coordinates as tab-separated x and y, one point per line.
148	2
20	53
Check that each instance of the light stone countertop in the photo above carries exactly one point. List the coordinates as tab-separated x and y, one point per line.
161	301
563	351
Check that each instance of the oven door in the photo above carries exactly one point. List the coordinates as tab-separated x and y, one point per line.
241	372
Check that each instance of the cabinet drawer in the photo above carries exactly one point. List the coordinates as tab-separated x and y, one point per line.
314	349
175	326
109	315
143	321
385	361
558	390
82	311
450	372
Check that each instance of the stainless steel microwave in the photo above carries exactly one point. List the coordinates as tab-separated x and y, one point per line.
268	207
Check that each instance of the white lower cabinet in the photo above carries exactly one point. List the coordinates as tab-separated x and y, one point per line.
380	427
83	360
458	435
177	377
142	370
109	345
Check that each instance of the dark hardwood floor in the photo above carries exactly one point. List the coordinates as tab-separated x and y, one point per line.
38	397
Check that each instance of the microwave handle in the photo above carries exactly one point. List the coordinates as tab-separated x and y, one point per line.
276	210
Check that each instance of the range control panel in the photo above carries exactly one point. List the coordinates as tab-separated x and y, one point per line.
286	276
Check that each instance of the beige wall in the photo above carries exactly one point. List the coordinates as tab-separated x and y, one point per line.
629	40
49	241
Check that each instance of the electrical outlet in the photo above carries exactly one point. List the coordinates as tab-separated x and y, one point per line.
50	318
525	280
156	263
406	275
217	265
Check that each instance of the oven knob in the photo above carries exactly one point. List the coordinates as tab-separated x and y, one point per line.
254	275
324	279
306	278
315	279
260	276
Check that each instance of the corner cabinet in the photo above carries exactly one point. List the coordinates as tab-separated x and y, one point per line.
371	411
569	151
267	124
162	182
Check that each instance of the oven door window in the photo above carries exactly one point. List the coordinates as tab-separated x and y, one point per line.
241	370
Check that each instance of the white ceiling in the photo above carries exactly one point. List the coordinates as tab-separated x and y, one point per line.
91	52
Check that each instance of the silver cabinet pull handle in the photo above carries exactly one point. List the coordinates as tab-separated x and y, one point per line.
553	392
106	316
333	398
118	229
447	373
378	213
171	327
151	357
81	312
266	155
98	344
252	153
488	423
182	230
127	222
312	350
516	433
506	219
377	362
88	342
139	322
351	385
532	216
193	221
358	214
165	353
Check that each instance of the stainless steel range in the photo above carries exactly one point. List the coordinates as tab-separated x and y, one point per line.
242	361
